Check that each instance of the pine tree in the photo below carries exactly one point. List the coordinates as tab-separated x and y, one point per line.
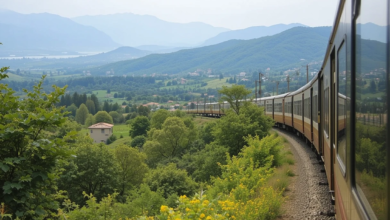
81	114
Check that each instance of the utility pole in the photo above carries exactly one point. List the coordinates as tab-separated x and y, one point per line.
288	83
277	85
260	74
307	73
256	90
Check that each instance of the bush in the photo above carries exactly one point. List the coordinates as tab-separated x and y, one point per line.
111	139
138	141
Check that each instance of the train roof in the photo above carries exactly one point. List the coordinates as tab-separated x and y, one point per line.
303	88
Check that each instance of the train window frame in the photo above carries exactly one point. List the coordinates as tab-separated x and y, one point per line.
340	161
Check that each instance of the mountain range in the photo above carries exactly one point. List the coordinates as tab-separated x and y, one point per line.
137	30
34	34
250	33
281	51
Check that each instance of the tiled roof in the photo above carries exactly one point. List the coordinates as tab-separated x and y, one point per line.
101	125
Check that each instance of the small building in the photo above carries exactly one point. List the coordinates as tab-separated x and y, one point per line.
100	132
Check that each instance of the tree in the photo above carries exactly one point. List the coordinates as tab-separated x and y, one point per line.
28	152
116	117
138	141
171	180
81	114
91	106
139	126
72	109
158	118
127	109
231	129
235	96
143	110
89	120
93	170
132	167
173	137
103	116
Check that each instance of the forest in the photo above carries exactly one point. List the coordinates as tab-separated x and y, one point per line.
173	167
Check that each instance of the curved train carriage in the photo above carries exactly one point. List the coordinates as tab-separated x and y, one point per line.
343	111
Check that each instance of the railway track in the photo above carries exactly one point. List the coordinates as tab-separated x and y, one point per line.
307	197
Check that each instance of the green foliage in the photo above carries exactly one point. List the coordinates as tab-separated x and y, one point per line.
132	167
235	96
116	117
103	116
90	120
139	126
158	118
71	109
82	114
91	106
206	132
93	170
143	110
29	152
205	163
170	180
111	139
172	138
138	141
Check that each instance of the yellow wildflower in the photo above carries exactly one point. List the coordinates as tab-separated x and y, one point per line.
202	215
164	208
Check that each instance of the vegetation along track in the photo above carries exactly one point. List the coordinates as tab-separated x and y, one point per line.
306	198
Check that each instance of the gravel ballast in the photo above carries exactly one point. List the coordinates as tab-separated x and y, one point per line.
305	198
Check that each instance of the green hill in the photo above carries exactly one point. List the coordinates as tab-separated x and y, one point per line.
281	51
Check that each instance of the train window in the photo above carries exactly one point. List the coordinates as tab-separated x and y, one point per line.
269	107
326	110
287	107
372	88
278	107
307	109
341	119
315	109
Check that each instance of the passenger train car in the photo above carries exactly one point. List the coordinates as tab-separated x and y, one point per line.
343	111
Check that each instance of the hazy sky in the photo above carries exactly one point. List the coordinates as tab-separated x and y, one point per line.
233	14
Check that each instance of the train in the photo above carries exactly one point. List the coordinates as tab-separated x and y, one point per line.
342	112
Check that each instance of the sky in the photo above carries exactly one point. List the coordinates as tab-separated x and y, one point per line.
232	14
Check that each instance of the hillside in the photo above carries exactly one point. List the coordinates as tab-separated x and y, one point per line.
137	30
249	33
36	34
281	51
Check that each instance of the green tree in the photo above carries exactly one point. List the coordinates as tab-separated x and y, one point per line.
235	96
139	126
91	106
158	118
93	170
103	116
173	137
132	167
72	109
138	141
231	129
89	120
170	181
28	152
82	114
143	110
116	117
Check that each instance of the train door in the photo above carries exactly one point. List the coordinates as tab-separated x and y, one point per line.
321	115
311	115
333	131
283	113
303	114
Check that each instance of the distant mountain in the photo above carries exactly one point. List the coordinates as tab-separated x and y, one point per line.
136	30
121	53
161	49
371	31
281	51
48	33
250	33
